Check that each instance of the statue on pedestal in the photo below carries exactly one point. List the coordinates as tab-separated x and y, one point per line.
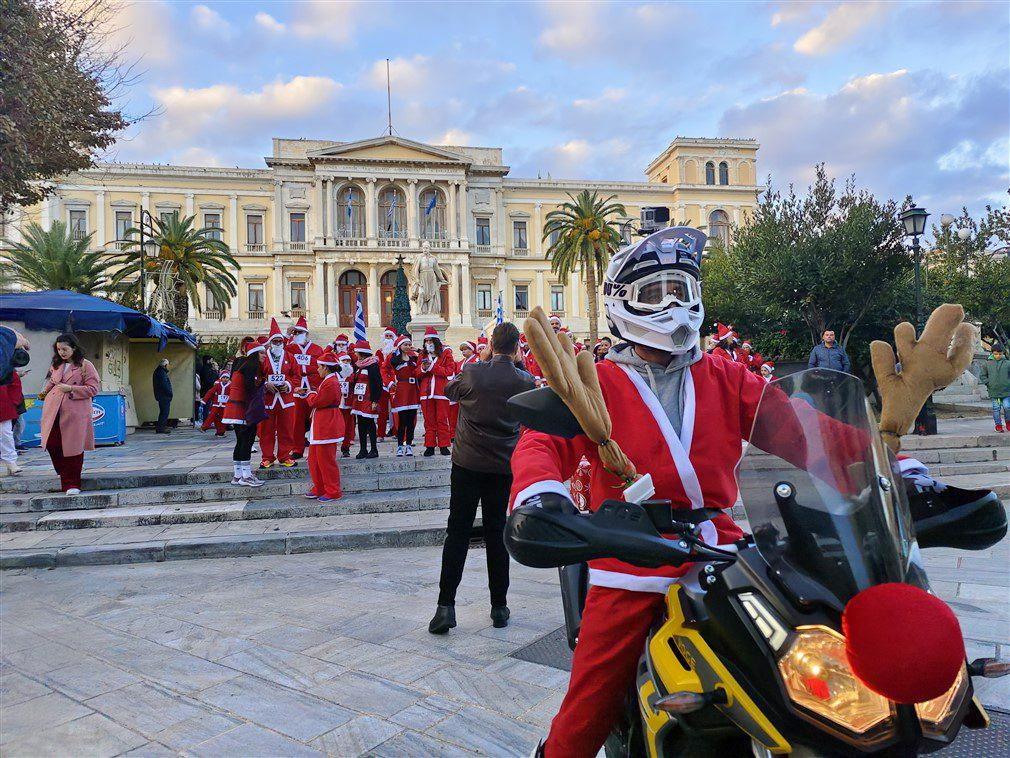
428	280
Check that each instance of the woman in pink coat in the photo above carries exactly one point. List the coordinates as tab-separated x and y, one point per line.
67	429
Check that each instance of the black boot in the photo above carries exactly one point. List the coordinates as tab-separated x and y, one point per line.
345	452
443	620
428	452
500	616
374	453
362	454
444	451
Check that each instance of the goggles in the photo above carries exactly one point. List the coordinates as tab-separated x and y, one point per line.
659	291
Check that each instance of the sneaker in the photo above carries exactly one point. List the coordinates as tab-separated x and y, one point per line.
73	491
266	464
444	451
1000	429
251	481
219	434
288	463
399	451
361	455
324	499
428	452
236	480
947	516
345	452
408	450
373	454
310	495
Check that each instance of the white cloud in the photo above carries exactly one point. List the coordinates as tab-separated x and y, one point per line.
269	23
969	154
606	100
209	20
405	74
792	12
331	20
145	31
842	24
455	137
574	29
196	156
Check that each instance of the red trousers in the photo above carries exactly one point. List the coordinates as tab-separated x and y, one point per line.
324	470
436	422
383	420
214	419
67	466
615	626
300	426
350	425
275	434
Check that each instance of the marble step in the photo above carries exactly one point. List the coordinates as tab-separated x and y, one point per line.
292	506
91	547
351	481
168	477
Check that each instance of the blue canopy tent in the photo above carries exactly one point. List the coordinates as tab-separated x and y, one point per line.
62	310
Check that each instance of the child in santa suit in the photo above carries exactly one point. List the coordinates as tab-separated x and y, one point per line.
326	430
468	354
216	399
389	336
305	353
404	399
366	389
433	373
350	423
281	379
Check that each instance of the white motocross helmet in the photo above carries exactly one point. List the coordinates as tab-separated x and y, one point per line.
652	290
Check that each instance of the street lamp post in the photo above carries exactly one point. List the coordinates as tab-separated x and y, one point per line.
145	219
913	219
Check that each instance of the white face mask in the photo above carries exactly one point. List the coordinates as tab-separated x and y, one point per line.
300	338
429	348
344	370
387	344
341	346
276	350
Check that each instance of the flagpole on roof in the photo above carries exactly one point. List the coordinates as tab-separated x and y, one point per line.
389	101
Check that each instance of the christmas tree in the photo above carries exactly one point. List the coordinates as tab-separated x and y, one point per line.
401	303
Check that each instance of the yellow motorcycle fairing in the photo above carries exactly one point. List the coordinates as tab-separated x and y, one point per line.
694	667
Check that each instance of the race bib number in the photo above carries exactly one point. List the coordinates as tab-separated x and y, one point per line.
222	399
303	360
277	379
343	388
359	389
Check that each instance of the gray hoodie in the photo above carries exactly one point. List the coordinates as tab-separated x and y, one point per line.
667	382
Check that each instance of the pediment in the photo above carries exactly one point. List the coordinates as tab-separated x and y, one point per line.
391	149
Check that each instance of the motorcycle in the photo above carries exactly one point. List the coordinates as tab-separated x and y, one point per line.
750	657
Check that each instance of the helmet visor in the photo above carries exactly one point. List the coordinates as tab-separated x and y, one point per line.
662	290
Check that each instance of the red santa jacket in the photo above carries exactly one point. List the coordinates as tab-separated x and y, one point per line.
217	395
404	382
721	352
433	375
327	427
238	393
694	469
283	369
366	387
306	359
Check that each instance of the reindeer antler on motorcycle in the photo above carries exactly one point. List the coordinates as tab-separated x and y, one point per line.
940	355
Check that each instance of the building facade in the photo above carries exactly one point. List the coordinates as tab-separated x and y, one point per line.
325	221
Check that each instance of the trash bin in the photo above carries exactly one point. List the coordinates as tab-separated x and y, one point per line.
108	415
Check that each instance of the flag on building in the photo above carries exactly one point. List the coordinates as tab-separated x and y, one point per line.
391	215
499	311
431	203
348	206
359	319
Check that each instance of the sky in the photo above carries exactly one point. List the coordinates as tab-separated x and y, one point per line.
912	98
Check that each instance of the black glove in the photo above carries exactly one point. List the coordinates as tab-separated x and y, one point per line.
551	501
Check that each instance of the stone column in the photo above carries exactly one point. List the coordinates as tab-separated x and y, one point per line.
371	213
503	288
233	245
537	231
278	213
332	305
453	222
278	287
190	207
145	203
316	303
541	296
454	314
324	207
412	228
737	219
573	307
100	219
374	314
466	286
464	217
316	214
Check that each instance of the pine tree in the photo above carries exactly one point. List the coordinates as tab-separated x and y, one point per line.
401	303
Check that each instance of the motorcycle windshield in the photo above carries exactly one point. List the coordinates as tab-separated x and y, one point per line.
821	491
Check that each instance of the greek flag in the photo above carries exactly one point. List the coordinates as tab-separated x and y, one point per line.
359	319
391	215
499	311
348	204
431	204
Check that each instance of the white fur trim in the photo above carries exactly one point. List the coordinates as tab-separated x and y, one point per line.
633	582
911	465
363	414
679	447
538	488
325	442
435	397
399	408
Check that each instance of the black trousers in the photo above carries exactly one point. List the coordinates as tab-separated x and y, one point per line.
163	406
245	436
406	422
467	488
366	432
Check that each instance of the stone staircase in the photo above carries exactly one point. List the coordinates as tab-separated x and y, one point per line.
134	517
964	395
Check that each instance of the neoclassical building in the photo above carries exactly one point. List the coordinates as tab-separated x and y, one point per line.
325	221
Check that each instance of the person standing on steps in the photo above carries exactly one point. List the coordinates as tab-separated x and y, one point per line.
305	353
433	372
162	395
67	428
366	390
486	435
829	354
326	430
404	400
995	375
346	369
244	410
275	432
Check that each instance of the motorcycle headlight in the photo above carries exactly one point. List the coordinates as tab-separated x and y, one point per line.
817	677
936	715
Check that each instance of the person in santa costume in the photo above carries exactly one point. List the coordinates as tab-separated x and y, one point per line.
346	410
556	324
726	342
366	389
433	373
341	344
326	430
241	413
403	388
216	399
768	371
282	376
453	405
530	361
305	354
386	420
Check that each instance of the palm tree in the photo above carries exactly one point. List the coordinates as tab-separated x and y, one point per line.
184	257
587	238
55	260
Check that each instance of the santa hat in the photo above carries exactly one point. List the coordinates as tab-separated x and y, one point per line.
328	358
275	331
399	342
482	340
522	338
553	318
301	325
470	344
446	349
344	358
362	346
341	338
770	366
746	344
723	331
430	331
389	332
253	346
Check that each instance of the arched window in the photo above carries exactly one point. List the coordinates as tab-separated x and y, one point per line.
349	212
724	173
392	213
431	212
387	291
349	286
710	173
718	227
